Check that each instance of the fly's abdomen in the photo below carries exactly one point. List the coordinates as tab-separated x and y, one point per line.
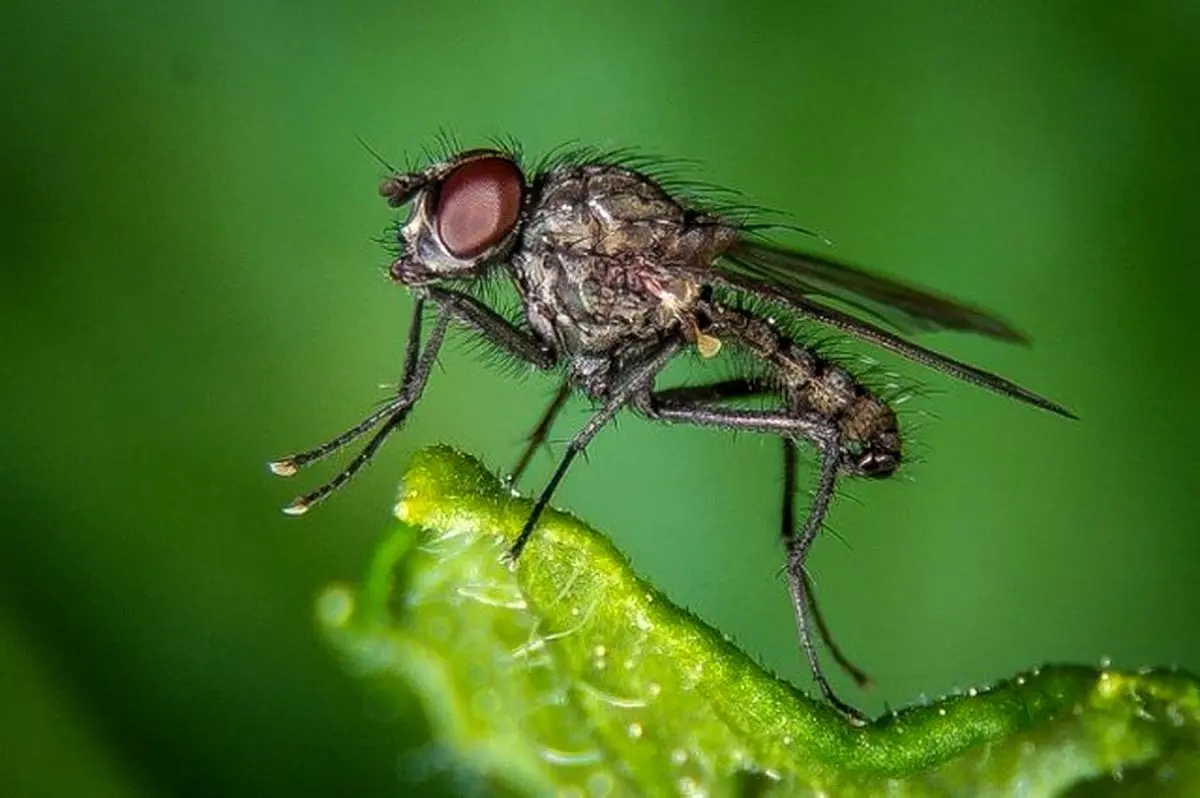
866	426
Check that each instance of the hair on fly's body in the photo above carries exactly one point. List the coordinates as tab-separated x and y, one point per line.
614	266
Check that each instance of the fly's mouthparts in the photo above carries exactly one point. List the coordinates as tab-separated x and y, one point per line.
406	270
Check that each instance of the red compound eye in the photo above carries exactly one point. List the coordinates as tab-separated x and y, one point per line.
478	205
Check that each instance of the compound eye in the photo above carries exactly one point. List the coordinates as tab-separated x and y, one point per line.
478	205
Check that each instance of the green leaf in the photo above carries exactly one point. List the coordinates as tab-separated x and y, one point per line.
570	674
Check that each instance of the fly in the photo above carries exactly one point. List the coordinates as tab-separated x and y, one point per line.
618	274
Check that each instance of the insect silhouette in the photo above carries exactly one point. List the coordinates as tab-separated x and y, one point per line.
619	272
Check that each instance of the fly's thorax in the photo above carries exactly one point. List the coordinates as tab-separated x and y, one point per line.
607	257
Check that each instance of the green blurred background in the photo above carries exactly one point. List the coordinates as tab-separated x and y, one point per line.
191	287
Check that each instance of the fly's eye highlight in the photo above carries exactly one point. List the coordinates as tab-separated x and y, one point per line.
478	205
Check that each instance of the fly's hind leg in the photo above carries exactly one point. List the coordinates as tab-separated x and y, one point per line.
743	388
798	546
788	532
793	424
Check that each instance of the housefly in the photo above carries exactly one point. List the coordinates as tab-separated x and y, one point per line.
620	271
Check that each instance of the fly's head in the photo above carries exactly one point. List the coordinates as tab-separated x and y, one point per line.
466	216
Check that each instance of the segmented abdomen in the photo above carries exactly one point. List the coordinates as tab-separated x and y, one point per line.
811	383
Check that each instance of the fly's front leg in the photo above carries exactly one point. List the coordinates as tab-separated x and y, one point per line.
498	331
287	466
392	414
452	306
518	343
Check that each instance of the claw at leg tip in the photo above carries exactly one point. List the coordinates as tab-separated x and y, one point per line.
282	468
854	717
298	507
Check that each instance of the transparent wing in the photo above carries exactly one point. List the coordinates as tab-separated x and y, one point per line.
904	307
